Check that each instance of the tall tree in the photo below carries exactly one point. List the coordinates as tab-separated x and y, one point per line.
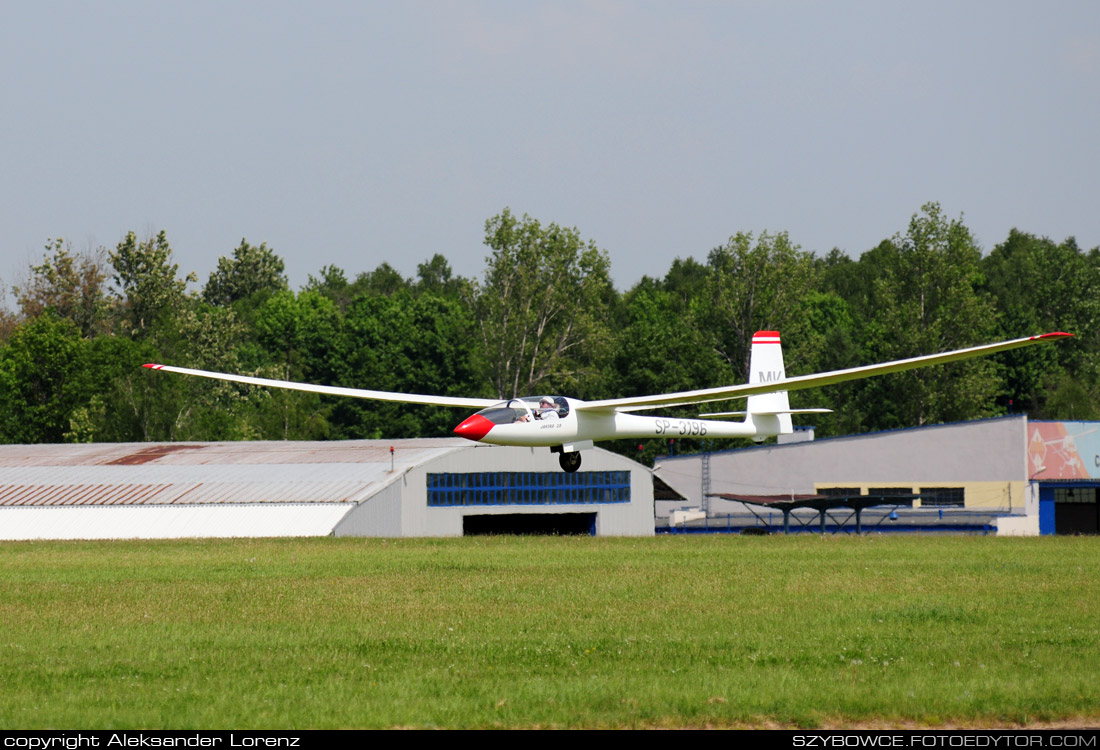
201	336
251	269
41	380
1040	285
408	344
179	328
72	284
761	285
435	276
384	280
300	333
542	308
299	337
147	282
333	284
926	298
659	348
7	318
686	280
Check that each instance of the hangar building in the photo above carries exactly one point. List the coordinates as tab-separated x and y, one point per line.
1032	477
429	487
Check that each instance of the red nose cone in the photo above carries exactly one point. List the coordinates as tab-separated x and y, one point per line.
474	428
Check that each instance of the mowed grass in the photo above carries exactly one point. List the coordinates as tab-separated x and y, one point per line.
549	632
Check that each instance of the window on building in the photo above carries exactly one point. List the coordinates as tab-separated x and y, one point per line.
1075	494
889	493
528	488
942	497
838	491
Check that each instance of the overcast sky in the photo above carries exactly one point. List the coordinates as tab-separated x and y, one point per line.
357	132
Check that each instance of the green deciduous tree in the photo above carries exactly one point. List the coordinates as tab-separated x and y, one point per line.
542	307
72	284
333	284
298	339
761	285
658	348
251	269
408	344
147	282
384	280
435	276
147	406
1042	286
42	380
300	332
926	297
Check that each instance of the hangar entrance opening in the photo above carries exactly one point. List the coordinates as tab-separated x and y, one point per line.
1076	511
544	524
1069	508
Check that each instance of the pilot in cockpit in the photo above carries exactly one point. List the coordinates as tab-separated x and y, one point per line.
547	408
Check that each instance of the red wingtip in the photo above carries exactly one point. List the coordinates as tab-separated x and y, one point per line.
153	367
1055	335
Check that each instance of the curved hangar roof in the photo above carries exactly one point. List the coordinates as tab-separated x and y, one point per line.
254	489
196	473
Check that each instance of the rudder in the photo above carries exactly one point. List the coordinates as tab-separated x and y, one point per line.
770	412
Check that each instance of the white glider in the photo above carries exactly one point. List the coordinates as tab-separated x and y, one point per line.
568	425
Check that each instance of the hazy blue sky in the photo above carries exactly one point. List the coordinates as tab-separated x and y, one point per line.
359	132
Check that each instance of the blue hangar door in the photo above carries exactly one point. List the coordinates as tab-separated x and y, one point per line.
1068	508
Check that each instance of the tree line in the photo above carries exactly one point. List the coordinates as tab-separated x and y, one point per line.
544	318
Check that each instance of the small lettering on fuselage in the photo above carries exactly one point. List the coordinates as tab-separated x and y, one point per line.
681	427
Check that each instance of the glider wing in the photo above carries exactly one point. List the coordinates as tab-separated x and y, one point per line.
802	382
332	390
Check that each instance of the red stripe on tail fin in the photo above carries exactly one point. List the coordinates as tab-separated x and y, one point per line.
765	337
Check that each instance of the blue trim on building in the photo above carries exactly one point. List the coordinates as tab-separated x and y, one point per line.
1046	510
961	528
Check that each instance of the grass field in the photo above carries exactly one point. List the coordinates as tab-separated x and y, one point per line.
550	632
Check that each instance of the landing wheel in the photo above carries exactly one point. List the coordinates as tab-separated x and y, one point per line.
570	461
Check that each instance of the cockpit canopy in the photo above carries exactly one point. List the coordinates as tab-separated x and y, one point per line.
527	409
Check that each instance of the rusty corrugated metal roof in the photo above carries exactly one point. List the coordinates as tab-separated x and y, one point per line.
254	451
207	473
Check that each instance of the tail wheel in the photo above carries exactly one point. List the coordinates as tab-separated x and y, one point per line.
570	461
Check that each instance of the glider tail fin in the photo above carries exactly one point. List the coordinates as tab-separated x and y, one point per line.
770	412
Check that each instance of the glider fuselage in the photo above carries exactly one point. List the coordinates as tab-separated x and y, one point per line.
513	422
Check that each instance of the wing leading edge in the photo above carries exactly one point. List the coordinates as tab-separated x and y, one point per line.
802	382
332	390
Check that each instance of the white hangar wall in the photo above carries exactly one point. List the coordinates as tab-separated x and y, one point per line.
988	457
170	522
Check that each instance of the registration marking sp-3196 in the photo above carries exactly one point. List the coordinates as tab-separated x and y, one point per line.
681	427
